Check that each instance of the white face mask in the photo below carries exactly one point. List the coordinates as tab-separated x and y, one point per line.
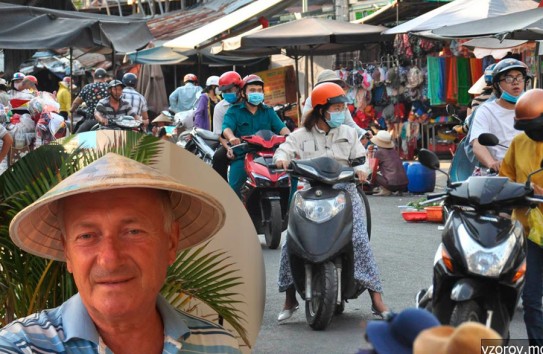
217	91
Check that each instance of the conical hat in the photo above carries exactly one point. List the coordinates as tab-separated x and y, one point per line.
37	230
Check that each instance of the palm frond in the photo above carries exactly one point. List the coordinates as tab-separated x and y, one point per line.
209	278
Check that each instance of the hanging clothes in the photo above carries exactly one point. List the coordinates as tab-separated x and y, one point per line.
464	81
476	69
436	80
452	80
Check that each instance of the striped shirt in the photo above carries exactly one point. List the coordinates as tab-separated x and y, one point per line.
69	329
125	109
136	100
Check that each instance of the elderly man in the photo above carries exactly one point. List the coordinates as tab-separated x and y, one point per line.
118	225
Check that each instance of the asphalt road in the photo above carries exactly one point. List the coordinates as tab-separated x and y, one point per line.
404	253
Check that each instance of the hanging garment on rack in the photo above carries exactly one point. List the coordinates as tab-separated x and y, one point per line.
436	80
452	80
476	69
464	81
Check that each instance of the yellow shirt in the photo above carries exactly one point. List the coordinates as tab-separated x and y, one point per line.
64	99
523	157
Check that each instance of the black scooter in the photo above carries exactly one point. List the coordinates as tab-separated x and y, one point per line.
319	239
480	264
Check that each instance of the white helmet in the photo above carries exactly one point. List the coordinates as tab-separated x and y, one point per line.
212	81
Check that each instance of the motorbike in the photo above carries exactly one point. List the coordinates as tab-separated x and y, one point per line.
461	167
480	264
281	110
121	123
200	142
319	239
266	191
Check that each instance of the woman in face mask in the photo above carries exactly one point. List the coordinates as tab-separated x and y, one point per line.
509	80
203	116
523	157
324	134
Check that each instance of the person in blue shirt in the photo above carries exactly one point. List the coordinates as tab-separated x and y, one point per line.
246	118
185	97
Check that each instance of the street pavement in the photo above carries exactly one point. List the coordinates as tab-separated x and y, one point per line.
404	253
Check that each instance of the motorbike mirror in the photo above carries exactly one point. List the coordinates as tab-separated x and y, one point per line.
450	110
428	159
488	139
529	179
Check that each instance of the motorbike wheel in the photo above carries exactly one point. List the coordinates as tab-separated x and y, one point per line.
272	229
319	311
368	210
467	311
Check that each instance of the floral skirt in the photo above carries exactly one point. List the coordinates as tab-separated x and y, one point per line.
365	267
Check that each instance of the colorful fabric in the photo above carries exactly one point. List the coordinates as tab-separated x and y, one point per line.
69	329
452	79
436	80
476	69
464	81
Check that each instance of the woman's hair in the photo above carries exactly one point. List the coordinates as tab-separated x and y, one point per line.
313	116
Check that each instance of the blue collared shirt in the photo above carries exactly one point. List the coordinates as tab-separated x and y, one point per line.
69	329
185	97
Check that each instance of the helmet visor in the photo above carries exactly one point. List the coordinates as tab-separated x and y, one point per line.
338	99
529	124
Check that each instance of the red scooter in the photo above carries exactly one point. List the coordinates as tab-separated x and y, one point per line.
266	191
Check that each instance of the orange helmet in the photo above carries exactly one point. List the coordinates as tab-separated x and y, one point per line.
190	77
327	93
529	110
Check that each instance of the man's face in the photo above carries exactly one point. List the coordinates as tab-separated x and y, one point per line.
116	92
118	250
516	83
253	88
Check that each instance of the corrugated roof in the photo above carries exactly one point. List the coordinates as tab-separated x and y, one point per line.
172	25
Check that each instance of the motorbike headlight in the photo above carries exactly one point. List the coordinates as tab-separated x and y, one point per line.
487	262
284	180
260	180
320	210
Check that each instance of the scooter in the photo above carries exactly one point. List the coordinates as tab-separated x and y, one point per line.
121	123
480	264
202	143
266	191
319	239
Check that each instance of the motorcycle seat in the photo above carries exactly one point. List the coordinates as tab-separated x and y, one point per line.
206	134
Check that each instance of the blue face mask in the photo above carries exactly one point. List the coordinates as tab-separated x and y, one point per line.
510	98
255	98
336	119
230	97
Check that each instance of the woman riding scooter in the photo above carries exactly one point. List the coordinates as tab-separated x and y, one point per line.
324	134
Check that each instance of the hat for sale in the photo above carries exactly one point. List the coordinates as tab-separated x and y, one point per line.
465	339
397	334
383	139
37	230
328	75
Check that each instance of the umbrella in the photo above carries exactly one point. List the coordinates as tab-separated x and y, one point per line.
313	36
461	11
527	25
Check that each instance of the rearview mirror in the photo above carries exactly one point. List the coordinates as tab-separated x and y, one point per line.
428	159
488	139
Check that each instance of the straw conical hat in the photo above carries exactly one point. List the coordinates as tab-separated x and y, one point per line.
37	230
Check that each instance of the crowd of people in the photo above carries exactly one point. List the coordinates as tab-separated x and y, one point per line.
136	319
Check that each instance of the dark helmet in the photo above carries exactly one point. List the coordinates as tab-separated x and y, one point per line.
229	79
529	110
130	79
100	73
252	79
327	93
115	83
